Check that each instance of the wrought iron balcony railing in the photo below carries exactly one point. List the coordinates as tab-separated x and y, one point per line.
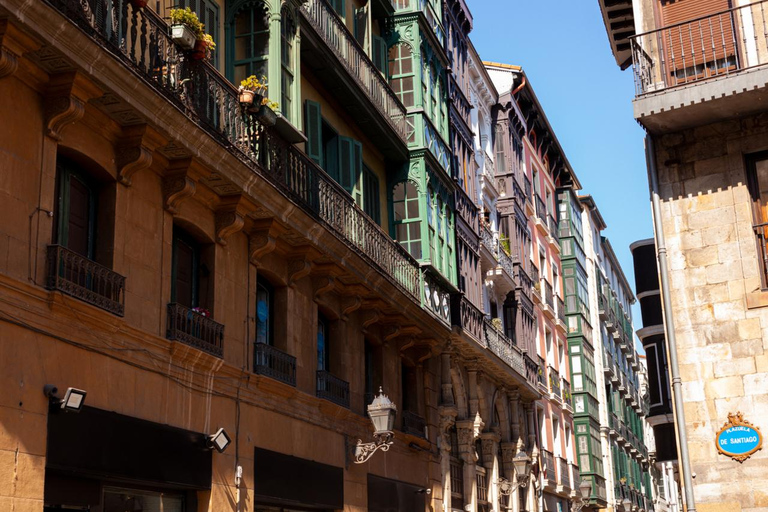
141	40
561	311
549	296
565	475
575	475
554	382
269	361
541	209
527	186
567	396
343	44
553	231
86	280
468	317
718	44
549	466
195	329
413	423
504	348
332	388
532	370
541	379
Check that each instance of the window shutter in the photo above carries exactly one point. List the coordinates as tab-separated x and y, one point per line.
361	27
371	202
380	54
339	6
357	172
314	133
346	166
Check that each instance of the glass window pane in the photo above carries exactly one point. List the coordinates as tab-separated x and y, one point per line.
414	231
242	47
402	232
399	210
413	209
243	23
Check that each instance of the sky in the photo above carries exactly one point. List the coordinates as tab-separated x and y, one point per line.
563	47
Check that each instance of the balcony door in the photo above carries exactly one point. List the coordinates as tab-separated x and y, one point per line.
75	210
248	42
757	180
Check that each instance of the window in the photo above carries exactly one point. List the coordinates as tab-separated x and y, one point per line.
249	43
323	345
265	300
407	222
339	6
501	166
401	73
287	35
757	179
361	27
409	388
75	209
188	275
208	13
379	56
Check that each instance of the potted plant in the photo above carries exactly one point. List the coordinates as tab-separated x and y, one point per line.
266	114
203	47
186	28
252	90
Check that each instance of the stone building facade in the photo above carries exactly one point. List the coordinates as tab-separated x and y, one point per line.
702	105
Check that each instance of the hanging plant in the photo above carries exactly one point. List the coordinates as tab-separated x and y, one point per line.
252	90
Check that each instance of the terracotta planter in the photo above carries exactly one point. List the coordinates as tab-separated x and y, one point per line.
183	36
200	50
246	97
138	4
266	116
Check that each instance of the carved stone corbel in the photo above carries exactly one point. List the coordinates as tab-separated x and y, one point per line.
177	185
259	245
297	269
322	285
371	317
65	101
349	305
227	224
133	153
9	62
447	415
13	44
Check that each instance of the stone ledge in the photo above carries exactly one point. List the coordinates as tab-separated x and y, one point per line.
757	299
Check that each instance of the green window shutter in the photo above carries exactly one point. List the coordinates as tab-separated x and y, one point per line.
380	54
371	202
361	27
345	163
339	6
314	132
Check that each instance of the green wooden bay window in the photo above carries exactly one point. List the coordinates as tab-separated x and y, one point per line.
248	40
407	218
401	73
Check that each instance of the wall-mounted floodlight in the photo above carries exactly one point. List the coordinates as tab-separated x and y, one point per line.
220	440
73	400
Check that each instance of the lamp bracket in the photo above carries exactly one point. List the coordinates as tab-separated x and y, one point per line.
364	451
506	487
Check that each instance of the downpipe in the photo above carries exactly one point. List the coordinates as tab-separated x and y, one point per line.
669	325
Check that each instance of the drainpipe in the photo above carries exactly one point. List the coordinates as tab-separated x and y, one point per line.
669	325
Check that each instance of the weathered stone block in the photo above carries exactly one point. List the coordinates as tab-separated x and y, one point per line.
725	387
736	366
703	257
715	217
756	384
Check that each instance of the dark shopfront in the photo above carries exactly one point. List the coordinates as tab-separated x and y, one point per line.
101	461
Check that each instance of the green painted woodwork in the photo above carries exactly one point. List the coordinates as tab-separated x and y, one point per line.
588	448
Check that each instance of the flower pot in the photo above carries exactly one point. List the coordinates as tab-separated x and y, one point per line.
200	50
246	96
183	36
266	116
138	4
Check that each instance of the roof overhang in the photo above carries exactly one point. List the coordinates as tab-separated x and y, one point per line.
619	20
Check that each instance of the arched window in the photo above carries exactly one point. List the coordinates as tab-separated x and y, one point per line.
248	42
401	73
287	36
407	221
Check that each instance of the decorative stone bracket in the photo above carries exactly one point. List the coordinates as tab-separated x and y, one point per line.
65	101
177	185
134	151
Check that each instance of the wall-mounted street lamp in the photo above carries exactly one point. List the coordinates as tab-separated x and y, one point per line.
73	400
220	440
382	413
585	489
627	505
522	465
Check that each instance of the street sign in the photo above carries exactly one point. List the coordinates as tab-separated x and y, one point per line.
738	438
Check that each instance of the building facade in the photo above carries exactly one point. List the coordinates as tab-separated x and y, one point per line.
699	71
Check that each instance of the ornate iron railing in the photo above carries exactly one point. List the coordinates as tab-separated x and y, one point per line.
541	209
553	231
494	245
549	466
469	318
504	348
554	382
561	311
86	280
575	476
140	39
467	210
549	296
562	469
541	379
342	43
269	361
714	45
414	424
531	370
567	396
527	186
194	329
332	388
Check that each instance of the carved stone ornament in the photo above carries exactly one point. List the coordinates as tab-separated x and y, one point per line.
297	269
175	190
259	245
61	111
133	153
738	438
228	223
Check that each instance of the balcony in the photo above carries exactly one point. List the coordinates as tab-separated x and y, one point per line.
541	379
536	280
549	468
414	424
332	388
275	364
76	275
194	329
576	476
723	55
549	300
504	348
528	196
467	316
467	211
497	264
562	319
554	236
541	215
209	100
339	61
565	476
532	370
554	384
567	396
